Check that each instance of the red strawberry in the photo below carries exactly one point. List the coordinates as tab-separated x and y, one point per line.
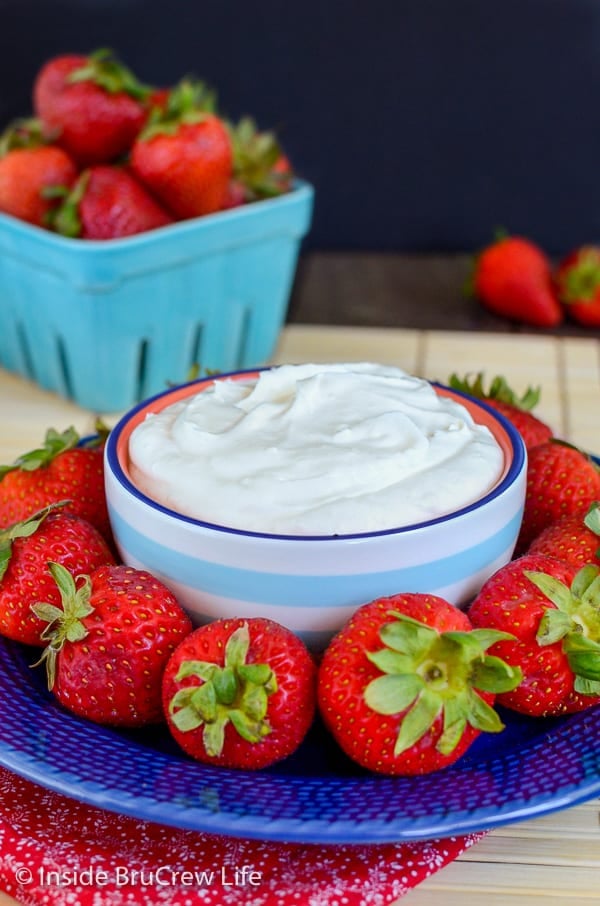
28	169
578	284
553	610
516	409
92	106
184	155
59	470
240	693
260	169
107	202
513	279
573	538
25	550
406	686
561	480
109	641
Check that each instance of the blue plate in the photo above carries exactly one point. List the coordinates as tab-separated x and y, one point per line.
316	796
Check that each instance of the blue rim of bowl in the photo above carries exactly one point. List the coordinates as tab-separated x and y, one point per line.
519	458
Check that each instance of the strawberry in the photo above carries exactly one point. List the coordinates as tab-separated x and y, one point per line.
552	609
107	202
260	168
573	538
240	693
561	480
513	279
28	169
61	469
578	284
406	686
184	155
516	409
92	106
108	642
25	550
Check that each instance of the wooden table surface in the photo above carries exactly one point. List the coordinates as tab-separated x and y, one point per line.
553	860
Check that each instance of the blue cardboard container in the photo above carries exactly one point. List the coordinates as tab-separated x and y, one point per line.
108	323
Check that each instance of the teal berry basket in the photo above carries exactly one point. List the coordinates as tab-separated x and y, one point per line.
109	323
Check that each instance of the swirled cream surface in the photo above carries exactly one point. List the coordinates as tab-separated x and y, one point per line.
315	450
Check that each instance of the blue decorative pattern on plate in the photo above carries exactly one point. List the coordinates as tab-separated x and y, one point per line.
317	796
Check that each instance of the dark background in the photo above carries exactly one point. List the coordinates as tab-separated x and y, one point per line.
423	125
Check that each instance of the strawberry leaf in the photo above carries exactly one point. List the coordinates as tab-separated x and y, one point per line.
406	635
236	693
417	721
482	716
392	693
555	590
492	674
586	686
24	529
455	722
583	655
54	443
553	627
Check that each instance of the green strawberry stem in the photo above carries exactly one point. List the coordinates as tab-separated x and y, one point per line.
498	389
255	154
65	218
23	529
431	673
190	101
575	622
65	622
591	520
581	281
235	694
103	69
22	133
54	443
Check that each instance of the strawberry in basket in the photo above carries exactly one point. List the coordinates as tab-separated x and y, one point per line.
29	168
107	202
184	154
92	106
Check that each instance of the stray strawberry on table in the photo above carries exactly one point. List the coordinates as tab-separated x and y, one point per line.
578	284
513	278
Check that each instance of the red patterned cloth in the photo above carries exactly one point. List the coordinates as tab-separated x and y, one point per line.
56	851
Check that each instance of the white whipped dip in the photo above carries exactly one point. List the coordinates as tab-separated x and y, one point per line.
315	450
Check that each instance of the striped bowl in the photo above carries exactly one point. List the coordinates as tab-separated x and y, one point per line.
312	584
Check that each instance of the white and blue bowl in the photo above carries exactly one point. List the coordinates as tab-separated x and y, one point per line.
312	584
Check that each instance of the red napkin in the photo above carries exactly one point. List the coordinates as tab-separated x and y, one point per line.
54	850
